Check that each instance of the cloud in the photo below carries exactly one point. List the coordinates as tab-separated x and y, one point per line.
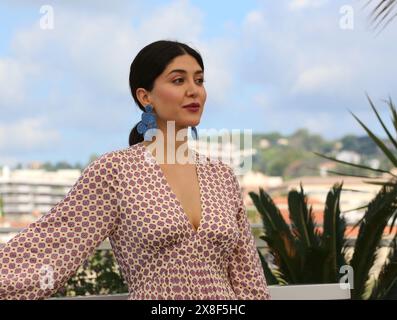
322	79
272	62
178	18
313	55
81	69
219	57
95	51
302	4
27	134
76	47
254	18
78	44
261	100
14	78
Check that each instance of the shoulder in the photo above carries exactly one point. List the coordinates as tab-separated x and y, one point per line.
222	169
229	176
109	162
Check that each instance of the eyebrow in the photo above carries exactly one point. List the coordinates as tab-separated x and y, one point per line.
184	71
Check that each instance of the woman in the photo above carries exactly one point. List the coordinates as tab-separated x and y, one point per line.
178	230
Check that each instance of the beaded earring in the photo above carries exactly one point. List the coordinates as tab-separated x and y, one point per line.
148	121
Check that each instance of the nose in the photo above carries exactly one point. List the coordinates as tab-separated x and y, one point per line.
192	89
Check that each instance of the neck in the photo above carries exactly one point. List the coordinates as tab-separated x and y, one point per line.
168	150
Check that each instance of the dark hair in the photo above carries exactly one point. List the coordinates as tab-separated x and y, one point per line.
148	64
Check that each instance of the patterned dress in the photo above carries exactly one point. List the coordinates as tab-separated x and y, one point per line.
124	196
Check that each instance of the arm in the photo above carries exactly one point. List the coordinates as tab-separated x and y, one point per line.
245	269
41	258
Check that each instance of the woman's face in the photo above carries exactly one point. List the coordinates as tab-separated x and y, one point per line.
174	89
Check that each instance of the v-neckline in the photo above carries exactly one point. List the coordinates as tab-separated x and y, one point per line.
173	194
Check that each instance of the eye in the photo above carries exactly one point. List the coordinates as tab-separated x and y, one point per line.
177	80
201	80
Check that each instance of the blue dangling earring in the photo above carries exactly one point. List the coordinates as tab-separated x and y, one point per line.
148	122
194	133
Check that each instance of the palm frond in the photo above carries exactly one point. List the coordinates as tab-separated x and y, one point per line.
393	223
333	235
379	211
383	9
378	142
349	174
278	235
271	279
302	219
380	183
353	190
355	209
381	121
353	164
393	112
387	278
307	237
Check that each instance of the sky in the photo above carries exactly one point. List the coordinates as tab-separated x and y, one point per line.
269	66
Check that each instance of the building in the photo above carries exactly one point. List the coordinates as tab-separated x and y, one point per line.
349	156
252	181
355	192
29	193
229	152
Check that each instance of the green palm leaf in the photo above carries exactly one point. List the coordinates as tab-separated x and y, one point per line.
307	237
378	142
381	121
379	183
387	279
271	279
302	219
378	213
393	112
349	174
353	164
383	9
277	235
333	235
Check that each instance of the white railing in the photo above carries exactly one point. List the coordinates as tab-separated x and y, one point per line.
328	291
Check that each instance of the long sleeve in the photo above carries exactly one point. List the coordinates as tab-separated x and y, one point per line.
245	269
41	258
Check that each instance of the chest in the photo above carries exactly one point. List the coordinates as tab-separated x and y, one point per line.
161	208
183	182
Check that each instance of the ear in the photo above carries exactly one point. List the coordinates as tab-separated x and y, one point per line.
143	96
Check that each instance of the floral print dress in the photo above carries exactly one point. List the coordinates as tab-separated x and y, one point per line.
124	196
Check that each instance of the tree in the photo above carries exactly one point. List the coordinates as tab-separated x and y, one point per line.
305	255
